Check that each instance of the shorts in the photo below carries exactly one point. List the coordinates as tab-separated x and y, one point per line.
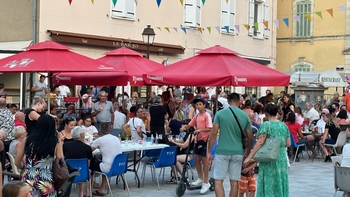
247	183
95	165
227	164
329	141
202	151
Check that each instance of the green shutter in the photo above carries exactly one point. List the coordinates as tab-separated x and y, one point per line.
303	29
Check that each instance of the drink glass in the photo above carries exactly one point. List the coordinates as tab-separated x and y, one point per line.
126	142
133	141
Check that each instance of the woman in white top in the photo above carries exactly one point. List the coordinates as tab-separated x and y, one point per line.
346	156
19	133
90	130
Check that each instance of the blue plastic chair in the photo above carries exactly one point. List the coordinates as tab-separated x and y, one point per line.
82	165
148	156
295	145
119	168
167	158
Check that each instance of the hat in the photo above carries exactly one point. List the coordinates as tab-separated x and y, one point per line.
85	96
199	100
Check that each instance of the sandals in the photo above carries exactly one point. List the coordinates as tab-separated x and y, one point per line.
173	180
97	193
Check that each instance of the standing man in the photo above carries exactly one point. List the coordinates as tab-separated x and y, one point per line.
6	122
229	151
157	113
65	91
13	109
39	87
119	120
103	110
2	91
203	124
186	91
261	100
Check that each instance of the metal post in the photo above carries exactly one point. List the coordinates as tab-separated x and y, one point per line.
147	51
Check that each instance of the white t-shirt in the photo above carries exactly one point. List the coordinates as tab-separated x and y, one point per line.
64	90
346	156
321	124
312	115
119	120
110	147
134	123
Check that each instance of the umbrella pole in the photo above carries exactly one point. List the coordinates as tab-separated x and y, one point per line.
123	107
48	96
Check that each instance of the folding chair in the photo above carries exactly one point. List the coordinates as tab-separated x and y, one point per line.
341	141
342	179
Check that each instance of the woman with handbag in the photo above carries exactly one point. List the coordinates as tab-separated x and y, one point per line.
273	175
40	149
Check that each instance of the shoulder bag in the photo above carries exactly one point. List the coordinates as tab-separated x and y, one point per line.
59	168
244	140
269	151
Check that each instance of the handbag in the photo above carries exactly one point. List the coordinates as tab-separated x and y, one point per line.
269	151
60	172
244	140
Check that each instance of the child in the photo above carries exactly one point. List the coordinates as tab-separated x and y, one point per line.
247	182
16	189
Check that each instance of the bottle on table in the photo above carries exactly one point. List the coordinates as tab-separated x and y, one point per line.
152	139
156	141
120	138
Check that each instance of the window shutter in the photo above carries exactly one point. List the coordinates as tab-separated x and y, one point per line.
308	26
232	15
298	29
225	19
198	13
130	9
119	9
266	18
190	13
251	18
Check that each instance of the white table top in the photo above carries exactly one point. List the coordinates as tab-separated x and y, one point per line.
132	147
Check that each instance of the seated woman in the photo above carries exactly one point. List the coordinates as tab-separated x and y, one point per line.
90	130
333	129
66	132
341	117
295	129
173	126
19	133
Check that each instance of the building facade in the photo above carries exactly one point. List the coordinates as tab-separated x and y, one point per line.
182	29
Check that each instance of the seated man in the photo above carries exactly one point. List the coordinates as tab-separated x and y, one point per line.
77	149
110	147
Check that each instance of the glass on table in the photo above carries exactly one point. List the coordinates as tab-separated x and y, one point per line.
133	141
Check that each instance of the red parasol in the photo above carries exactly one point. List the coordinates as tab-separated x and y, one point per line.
217	66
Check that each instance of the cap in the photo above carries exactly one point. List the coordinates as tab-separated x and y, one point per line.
85	96
199	100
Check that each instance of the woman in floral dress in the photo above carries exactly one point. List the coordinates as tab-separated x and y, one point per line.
273	176
40	149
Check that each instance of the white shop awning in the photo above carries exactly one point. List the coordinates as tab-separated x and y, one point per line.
328	78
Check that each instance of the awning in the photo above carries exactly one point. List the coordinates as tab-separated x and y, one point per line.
11	48
328	78
103	41
260	60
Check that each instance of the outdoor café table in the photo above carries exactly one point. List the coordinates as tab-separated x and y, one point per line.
129	147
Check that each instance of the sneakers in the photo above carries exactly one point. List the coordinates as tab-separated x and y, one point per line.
205	188
198	182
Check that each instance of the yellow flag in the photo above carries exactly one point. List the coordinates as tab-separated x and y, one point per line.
266	24
200	29
136	2
226	1
246	26
182	2
308	16
93	1
167	28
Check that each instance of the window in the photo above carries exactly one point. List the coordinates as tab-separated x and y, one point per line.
302	68
228	10
303	28
251	90
259	11
124	9
192	13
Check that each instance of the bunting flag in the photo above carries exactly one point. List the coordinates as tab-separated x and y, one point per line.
226	1
182	2
175	29
342	8
167	28
319	13
217	28
209	29
203	1
246	26
227	28
92	1
256	25
297	18
237	28
266	24
70	2
200	29
159	28
276	23
136	2
114	2
184	29
286	21
308	16
330	11
158	2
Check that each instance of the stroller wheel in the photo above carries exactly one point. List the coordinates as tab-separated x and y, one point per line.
180	189
212	184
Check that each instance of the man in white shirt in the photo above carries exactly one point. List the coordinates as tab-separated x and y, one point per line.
64	90
137	128
119	120
110	147
311	113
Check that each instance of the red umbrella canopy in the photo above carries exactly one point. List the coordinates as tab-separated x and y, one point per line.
217	66
131	61
117	78
50	56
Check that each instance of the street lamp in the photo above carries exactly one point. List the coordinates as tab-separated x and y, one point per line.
148	37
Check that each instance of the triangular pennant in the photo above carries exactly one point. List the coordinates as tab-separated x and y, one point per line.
114	2
256	25
203	1
246	26
175	29
92	1
319	13
227	28
184	29
226	1
70	2
342	8
330	11
237	28
308	16
167	28
217	28
266	24
286	21
158	2
276	23
297	18
136	2
209	29
182	2
200	29
159	28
